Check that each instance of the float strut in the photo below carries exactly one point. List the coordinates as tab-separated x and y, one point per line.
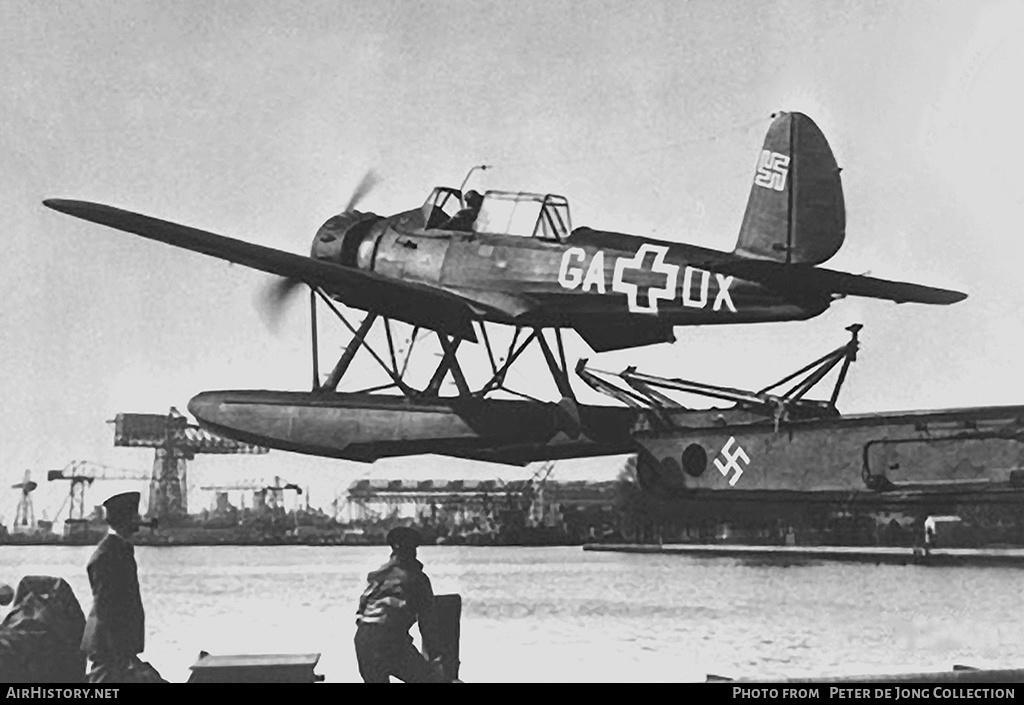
350	352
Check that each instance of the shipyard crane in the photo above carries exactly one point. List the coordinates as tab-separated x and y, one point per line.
524	494
24	516
535	492
176	441
82	473
264	494
520	487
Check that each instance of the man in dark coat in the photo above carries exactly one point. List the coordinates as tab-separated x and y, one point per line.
398	595
41	637
115	631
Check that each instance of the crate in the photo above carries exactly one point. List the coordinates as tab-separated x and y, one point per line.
256	668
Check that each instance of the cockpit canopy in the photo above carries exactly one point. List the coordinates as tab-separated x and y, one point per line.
504	213
442	205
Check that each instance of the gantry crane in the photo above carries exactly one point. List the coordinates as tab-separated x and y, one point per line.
533	493
82	473
176	441
24	516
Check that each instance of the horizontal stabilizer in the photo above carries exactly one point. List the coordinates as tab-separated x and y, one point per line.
797	280
412	303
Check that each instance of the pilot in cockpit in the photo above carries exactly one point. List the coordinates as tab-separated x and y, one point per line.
463	220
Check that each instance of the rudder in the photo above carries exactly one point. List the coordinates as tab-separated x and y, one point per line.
795	213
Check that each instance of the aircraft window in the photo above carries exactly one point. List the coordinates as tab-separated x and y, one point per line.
525	215
558	216
508	217
554	221
450	203
548	228
441	206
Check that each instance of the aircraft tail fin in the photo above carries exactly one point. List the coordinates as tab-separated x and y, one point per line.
795	213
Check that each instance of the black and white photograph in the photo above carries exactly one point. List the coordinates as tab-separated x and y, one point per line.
525	341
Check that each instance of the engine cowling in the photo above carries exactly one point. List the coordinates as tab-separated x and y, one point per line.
349	239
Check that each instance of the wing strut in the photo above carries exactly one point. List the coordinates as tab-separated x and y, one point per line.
642	391
567	411
315	346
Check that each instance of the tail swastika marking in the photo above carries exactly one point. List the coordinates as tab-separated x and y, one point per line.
772	169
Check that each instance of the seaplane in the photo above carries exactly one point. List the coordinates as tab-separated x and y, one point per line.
464	262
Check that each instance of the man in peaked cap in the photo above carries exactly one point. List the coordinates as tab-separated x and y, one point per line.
115	632
397	596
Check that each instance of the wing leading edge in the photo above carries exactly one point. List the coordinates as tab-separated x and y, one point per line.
413	303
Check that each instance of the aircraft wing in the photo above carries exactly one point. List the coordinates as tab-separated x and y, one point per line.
413	303
495	303
805	279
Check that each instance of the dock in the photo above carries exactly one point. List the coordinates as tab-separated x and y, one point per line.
856	554
959	674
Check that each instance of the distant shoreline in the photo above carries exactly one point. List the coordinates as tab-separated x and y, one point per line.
187	543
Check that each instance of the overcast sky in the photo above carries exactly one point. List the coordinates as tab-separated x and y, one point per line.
257	119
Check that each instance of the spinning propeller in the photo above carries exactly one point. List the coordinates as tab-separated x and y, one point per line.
277	295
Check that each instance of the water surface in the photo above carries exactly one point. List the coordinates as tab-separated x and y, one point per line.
566	615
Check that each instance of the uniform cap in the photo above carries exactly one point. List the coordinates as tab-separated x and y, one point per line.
403	537
122	508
